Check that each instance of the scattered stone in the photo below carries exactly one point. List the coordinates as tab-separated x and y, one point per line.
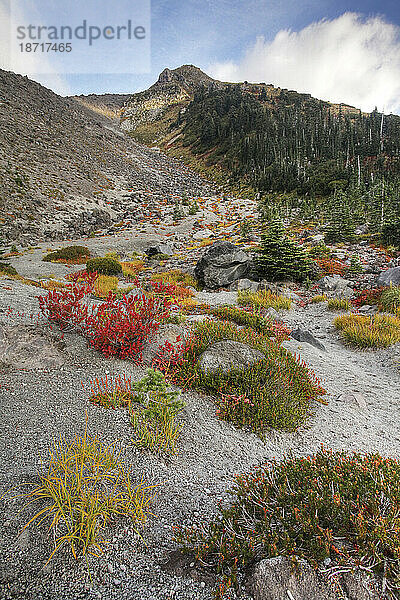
355	398
366	309
203	234
222	264
226	355
302	335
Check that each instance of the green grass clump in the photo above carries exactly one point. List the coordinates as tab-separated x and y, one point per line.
378	331
253	319
338	304
70	254
85	486
263	299
328	505
104	266
6	269
160	256
390	299
274	392
319	298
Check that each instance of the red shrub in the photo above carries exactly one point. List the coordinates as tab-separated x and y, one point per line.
371	297
116	327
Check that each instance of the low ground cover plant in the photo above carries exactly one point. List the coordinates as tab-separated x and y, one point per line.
378	331
153	408
328	505
280	387
338	304
85	486
132	268
263	299
77	255
370	296
104	266
330	266
116	327
6	269
154	412
105	284
253	319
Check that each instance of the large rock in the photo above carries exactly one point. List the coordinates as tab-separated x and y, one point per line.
24	347
158	249
335	283
244	284
275	579
390	276
222	264
302	335
226	355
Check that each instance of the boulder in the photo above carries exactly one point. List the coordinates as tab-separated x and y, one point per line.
226	355
390	276
203	234
158	249
24	347
276	579
302	335
335	283
222	264
244	284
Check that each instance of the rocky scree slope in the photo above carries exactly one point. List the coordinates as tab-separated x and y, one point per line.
64	170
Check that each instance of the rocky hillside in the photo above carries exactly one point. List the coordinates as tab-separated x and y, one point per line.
149	114
108	105
64	168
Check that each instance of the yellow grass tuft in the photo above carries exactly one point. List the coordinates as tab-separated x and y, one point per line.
105	284
362	331
263	299
85	486
338	304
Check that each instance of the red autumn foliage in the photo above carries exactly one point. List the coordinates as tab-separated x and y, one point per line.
116	327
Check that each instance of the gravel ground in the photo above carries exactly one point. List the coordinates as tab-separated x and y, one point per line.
39	405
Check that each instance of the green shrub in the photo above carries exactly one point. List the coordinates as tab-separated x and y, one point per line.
6	269
76	254
355	264
105	266
329	505
320	250
391	233
278	258
155	421
160	257
390	299
276	391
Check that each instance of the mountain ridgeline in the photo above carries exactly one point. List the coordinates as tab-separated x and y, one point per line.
273	139
295	143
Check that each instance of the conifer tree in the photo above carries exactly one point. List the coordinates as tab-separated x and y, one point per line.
278	258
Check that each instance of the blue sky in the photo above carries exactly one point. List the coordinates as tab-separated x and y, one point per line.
248	39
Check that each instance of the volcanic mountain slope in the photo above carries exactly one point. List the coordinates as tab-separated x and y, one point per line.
268	138
108	105
150	113
63	166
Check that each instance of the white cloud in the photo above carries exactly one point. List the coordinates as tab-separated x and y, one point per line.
350	59
30	64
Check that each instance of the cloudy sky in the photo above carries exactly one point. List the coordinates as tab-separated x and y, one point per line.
336	50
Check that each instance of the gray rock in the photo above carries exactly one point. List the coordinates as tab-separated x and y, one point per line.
302	335
390	276
360	587
366	309
167	333
273	314
355	398
23	347
222	264
158	249
333	283
244	284
203	234
275	579
226	355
